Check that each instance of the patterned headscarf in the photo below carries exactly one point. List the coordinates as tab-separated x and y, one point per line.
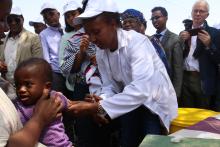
132	13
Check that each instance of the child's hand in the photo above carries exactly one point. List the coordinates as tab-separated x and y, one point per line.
84	44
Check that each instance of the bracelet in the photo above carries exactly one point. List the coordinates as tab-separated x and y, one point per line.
101	111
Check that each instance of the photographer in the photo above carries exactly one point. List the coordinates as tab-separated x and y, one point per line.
202	56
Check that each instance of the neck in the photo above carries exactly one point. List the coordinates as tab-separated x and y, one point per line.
196	25
14	34
161	29
114	44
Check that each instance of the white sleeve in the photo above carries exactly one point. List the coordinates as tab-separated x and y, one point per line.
45	47
140	58
9	119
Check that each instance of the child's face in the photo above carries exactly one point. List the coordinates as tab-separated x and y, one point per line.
29	85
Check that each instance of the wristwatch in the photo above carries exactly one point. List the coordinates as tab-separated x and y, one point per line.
102	112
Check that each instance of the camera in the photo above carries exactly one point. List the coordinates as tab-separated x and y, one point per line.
188	27
194	32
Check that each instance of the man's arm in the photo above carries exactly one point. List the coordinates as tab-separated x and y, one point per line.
177	67
36	47
29	135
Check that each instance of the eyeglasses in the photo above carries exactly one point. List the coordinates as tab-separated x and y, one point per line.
155	18
195	11
11	19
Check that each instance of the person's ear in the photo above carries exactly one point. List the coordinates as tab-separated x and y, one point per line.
207	15
114	23
48	85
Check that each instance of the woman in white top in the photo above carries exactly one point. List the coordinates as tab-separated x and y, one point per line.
136	86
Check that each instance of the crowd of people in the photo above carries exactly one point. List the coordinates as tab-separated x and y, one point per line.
100	80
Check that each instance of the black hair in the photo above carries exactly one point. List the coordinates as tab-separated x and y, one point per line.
161	9
43	67
68	27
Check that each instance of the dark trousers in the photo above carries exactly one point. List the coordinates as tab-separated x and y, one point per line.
192	95
136	124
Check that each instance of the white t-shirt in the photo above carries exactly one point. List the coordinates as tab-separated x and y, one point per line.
9	119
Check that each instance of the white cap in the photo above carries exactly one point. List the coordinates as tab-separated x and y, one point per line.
36	20
71	5
96	7
47	6
16	11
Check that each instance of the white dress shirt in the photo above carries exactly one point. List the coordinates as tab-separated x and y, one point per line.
190	63
10	54
9	119
134	75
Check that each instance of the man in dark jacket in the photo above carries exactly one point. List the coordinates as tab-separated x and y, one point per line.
201	80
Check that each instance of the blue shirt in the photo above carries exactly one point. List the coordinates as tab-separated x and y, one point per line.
50	39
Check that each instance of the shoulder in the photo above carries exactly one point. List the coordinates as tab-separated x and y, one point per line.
172	35
131	38
45	32
28	34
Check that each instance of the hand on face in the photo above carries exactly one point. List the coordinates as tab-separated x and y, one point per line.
84	44
205	38
48	109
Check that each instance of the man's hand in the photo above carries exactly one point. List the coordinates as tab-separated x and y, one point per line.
184	35
3	67
205	38
48	108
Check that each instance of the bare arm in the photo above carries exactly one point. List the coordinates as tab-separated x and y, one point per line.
29	135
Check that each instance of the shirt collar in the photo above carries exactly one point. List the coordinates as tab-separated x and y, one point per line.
122	38
163	32
17	36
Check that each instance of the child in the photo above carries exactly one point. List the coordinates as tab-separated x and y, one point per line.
31	78
92	75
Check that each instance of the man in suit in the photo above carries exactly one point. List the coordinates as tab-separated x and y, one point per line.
18	45
172	46
201	84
